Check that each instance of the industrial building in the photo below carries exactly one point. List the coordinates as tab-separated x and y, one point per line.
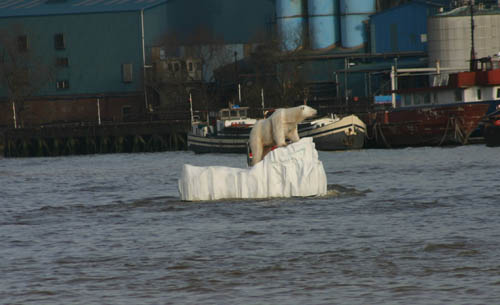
114	60
89	59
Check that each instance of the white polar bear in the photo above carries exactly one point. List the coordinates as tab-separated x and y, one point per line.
276	129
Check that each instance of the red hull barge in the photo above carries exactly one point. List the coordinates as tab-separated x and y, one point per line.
434	125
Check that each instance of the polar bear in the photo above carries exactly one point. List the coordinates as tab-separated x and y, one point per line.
276	129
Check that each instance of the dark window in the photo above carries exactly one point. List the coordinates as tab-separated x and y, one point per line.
62	62
126	112
62	84
59	41
498	92
22	43
427	98
127	73
190	67
458	95
479	94
176	67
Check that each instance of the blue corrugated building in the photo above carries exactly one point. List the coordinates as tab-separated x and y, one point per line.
95	46
103	48
402	28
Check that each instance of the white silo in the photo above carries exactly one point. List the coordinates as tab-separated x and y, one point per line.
449	37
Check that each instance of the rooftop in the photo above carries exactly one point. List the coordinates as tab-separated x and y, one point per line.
18	8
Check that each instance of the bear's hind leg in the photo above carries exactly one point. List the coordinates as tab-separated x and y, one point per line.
257	151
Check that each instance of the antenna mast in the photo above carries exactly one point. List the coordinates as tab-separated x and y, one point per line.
473	65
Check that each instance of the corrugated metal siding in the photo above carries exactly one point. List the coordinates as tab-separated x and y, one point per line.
400	29
96	46
229	20
450	39
16	8
155	27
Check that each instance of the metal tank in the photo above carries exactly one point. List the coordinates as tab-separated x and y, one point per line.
291	23
449	38
353	13
323	23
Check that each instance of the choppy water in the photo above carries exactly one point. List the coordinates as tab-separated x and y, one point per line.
410	226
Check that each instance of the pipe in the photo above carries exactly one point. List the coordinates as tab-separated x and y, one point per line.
98	112
14	112
262	97
393	86
143	60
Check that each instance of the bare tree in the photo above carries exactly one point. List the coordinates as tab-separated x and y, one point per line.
186	67
22	73
279	73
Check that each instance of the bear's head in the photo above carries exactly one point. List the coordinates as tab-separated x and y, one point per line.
307	112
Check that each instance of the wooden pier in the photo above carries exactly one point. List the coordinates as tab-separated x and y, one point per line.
88	138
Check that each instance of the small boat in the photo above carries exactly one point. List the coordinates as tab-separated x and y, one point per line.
233	127
229	135
335	133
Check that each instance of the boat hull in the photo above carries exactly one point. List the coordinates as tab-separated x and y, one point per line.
215	144
347	133
427	126
492	136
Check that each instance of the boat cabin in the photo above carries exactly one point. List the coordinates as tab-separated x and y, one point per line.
482	85
234	116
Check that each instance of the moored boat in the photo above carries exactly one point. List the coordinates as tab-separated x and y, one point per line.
233	127
229	135
427	126
335	133
445	114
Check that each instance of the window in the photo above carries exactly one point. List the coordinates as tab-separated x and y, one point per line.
22	43
126	110
176	67
59	41
62	62
62	84
458	95
498	92
407	100
127	70
418	99
478	94
427	98
190	67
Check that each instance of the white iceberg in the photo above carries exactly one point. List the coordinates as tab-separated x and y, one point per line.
291	171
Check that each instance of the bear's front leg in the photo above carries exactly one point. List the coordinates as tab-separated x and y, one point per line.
280	139
294	135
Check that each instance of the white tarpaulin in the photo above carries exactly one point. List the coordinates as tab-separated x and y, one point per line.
294	170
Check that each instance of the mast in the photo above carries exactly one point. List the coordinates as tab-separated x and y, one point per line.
473	65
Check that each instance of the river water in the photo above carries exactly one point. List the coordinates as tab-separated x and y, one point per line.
408	226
